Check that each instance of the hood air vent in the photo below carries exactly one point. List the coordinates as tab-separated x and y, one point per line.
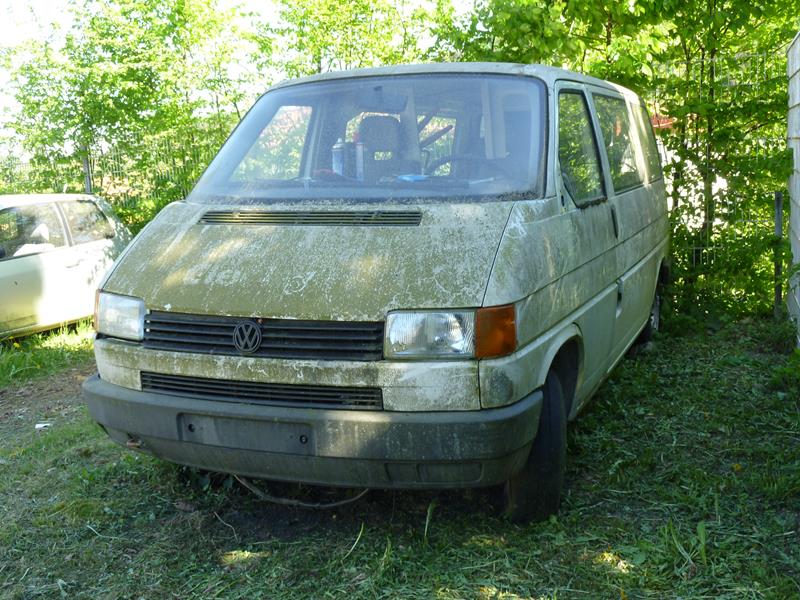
357	218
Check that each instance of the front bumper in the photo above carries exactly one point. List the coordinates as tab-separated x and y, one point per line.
379	449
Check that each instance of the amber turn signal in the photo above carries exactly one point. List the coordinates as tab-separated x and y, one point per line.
495	331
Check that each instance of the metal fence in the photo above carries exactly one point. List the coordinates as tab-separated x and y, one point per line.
138	181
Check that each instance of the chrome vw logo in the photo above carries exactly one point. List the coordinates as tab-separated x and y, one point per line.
247	337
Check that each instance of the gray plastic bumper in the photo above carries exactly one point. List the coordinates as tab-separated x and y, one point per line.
331	447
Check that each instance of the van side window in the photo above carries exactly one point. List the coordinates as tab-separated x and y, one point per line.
577	150
28	230
86	222
651	156
620	141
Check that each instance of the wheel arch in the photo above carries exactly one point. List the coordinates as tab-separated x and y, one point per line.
565	358
567	366
664	271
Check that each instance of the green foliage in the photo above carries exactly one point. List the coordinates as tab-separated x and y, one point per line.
41	174
325	35
607	39
786	379
717	70
146	91
42	354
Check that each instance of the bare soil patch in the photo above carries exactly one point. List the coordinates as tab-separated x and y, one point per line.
45	400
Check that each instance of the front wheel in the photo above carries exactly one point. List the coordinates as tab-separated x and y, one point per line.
534	493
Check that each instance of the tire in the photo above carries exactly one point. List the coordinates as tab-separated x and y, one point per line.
534	493
653	321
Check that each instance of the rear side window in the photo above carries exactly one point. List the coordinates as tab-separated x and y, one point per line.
648	139
620	140
28	230
577	150
87	222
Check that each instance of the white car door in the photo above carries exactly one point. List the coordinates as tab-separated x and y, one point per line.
93	247
34	264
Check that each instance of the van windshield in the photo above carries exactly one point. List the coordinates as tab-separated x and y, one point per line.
384	137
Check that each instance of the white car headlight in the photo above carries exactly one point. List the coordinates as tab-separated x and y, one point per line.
430	335
119	316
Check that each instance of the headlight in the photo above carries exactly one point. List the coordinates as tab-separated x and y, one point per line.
119	316
483	333
430	335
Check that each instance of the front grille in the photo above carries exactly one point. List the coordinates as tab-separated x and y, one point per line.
281	338
361	218
273	394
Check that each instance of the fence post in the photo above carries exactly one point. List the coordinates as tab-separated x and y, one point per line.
87	171
778	256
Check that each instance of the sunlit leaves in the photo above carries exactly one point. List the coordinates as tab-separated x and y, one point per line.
324	35
126	69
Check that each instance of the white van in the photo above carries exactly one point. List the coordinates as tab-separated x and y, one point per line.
405	277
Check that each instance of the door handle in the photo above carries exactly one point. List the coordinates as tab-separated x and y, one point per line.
614	221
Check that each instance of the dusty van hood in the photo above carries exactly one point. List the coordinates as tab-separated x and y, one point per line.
181	262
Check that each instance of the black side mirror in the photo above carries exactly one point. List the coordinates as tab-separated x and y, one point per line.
2	253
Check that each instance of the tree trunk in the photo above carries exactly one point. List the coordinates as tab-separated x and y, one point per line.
87	170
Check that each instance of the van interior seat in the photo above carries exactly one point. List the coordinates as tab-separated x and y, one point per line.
383	135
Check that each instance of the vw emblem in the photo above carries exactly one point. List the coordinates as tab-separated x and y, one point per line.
247	337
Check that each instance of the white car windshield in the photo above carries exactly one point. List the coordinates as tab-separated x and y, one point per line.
385	137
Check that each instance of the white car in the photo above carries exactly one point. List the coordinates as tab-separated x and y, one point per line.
54	251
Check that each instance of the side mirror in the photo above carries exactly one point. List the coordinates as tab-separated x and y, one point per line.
113	233
2	253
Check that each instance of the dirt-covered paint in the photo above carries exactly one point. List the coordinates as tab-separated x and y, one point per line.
571	268
407	386
352	273
579	277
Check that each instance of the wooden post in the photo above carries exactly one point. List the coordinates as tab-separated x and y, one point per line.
778	259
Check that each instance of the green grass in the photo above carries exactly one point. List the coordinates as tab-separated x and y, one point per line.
683	481
43	354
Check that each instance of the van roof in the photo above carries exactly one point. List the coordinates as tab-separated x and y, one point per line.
548	74
9	200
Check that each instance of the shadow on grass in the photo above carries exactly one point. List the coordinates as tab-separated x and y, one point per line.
44	353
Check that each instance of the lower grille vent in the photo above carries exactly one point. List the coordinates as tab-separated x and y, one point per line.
273	394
